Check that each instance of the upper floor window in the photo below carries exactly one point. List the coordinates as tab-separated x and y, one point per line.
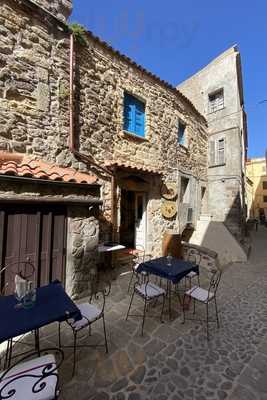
181	134
264	199
134	115
216	100
217	152
264	185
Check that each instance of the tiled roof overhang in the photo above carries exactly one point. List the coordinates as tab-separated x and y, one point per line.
127	165
19	165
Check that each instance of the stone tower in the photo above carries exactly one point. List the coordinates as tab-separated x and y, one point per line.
61	9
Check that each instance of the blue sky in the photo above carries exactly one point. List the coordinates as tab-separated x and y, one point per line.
174	39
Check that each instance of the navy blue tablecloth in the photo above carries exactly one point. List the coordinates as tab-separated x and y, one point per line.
52	304
175	272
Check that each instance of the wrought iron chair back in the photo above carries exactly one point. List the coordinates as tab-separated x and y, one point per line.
214	281
9	383
194	257
25	269
139	255
98	290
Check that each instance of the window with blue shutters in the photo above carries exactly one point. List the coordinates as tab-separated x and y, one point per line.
181	134
134	115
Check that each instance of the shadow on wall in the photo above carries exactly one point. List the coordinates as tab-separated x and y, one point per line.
227	237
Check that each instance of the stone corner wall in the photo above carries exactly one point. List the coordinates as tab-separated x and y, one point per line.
82	254
61	9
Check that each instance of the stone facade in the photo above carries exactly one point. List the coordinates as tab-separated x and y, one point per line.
61	9
226	179
34	101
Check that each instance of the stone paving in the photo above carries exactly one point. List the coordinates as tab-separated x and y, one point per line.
175	361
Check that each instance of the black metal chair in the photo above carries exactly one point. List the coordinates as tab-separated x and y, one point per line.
205	296
25	269
195	258
139	257
148	292
35	377
90	314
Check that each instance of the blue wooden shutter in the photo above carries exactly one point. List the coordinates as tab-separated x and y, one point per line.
128	113
139	118
134	115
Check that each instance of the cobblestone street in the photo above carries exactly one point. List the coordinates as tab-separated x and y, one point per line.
175	361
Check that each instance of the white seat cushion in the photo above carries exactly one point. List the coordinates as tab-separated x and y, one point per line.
23	386
200	294
90	312
149	290
191	274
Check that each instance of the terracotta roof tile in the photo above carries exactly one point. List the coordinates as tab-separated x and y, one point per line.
132	166
21	165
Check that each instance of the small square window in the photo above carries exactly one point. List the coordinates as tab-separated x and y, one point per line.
134	115
264	185
181	134
264	199
216	100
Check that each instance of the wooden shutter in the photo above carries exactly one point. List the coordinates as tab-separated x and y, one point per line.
212	152
139	118
221	151
128	113
134	115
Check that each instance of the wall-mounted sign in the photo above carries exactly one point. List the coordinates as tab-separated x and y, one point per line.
169	190
169	209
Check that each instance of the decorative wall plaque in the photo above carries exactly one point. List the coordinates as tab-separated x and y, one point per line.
169	190
169	209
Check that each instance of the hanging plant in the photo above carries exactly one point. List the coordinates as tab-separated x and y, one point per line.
79	33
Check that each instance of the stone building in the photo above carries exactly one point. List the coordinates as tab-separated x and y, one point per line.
257	191
93	148
217	92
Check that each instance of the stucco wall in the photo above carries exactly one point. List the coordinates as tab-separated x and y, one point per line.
226	182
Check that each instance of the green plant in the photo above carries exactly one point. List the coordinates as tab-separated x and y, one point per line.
79	33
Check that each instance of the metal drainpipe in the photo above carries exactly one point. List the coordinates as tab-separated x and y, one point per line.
81	156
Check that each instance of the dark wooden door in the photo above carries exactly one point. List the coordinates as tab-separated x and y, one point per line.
33	233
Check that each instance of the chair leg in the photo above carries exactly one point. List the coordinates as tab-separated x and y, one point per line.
183	321
130	305
105	334
8	349
162	310
129	286
207	313
144	316
217	315
74	352
198	280
10	353
194	309
59	335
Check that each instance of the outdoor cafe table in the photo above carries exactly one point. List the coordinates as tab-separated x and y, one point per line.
173	271
52	304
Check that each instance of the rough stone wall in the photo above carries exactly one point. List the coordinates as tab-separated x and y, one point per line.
61	9
33	84
82	256
102	80
34	91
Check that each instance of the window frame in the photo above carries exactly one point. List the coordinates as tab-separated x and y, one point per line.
217	152
264	185
214	108
264	198
136	101
182	143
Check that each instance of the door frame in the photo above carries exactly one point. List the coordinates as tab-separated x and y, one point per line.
144	196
